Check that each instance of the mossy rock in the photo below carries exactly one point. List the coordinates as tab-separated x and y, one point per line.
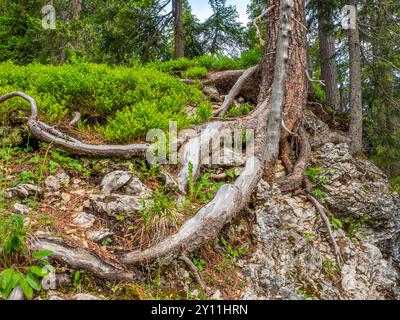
100	167
12	137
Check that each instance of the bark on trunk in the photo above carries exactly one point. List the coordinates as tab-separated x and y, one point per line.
356	121
296	85
328	60
178	29
76	8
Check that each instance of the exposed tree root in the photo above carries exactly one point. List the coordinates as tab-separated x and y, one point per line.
231	199
76	119
78	258
48	134
321	210
224	81
192	152
194	271
236	90
295	179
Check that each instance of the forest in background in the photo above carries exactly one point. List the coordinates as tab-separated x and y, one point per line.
141	33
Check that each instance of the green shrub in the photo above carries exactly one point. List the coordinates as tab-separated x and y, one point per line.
195	73
395	184
241	110
122	103
210	62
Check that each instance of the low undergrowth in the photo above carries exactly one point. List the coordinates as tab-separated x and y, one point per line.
214	63
120	103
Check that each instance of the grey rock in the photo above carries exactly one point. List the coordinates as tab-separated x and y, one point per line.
63	280
16	294
293	245
123	182
56	182
84	296
99	235
358	188
21	209
115	181
84	220
116	205
212	92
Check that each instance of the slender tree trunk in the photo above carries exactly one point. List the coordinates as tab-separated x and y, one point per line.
76	8
296	84
63	41
328	60
356	116
178	29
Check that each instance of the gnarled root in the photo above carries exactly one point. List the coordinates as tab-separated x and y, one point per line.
295	179
194	271
51	135
236	90
193	151
321	210
78	258
224	81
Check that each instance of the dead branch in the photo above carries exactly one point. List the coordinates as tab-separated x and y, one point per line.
255	23
76	119
235	91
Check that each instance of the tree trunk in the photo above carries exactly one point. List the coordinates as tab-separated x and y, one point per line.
328	60
178	29
356	120
63	41
296	84
76	8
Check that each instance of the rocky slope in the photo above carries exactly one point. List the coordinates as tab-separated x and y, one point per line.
294	258
290	256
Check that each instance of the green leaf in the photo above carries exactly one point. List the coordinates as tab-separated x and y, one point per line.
42	254
5	293
77	276
6	278
26	288
33	281
41	272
